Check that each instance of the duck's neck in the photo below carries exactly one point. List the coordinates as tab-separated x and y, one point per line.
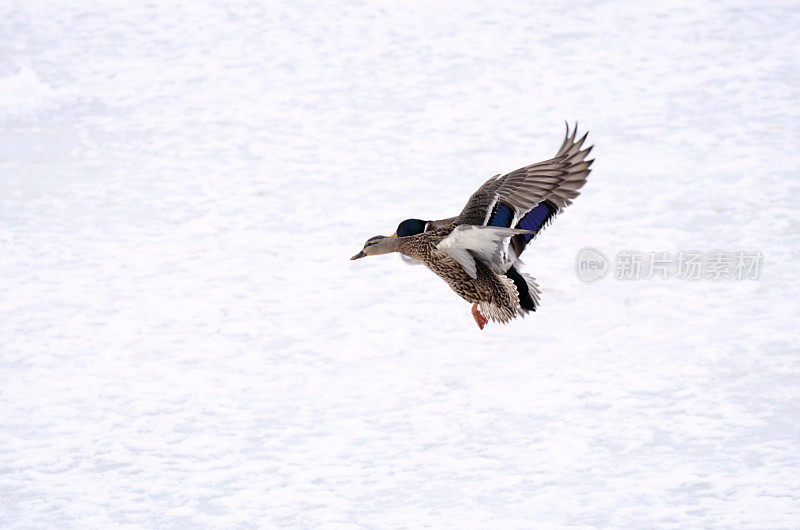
387	245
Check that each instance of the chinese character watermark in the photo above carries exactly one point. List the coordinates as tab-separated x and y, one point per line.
593	265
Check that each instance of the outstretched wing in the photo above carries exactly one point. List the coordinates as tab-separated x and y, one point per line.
557	179
466	243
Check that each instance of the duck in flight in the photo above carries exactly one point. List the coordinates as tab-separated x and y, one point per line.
478	251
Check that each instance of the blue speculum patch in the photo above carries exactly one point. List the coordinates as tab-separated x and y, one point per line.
536	219
501	216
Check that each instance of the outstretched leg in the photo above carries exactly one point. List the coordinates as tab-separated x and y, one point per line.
478	316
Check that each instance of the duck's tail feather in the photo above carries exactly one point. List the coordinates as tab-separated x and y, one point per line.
533	291
527	289
525	293
504	307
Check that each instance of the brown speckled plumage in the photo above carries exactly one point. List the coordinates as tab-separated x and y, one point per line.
495	293
477	252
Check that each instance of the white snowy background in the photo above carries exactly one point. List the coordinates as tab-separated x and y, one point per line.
185	343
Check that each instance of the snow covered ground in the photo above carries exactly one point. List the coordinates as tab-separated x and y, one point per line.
184	342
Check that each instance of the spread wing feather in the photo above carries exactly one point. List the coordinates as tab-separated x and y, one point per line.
557	179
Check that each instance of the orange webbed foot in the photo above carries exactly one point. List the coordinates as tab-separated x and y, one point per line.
480	319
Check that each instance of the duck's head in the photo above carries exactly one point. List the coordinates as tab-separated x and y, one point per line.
410	227
378	245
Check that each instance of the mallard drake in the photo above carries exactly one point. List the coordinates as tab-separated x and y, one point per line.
477	252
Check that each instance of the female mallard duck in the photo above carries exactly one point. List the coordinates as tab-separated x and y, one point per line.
477	252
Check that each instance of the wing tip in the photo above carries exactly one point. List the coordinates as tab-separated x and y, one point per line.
569	147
